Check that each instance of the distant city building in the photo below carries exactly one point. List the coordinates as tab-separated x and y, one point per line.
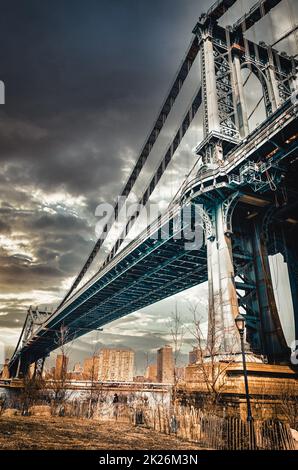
5	370
116	364
49	373
193	356
165	365
91	368
61	366
180	374
139	378
151	373
76	373
77	367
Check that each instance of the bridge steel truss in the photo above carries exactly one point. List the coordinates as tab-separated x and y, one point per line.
242	182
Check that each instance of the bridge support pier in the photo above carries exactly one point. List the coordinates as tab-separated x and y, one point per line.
38	367
18	368
223	338
239	278
240	105
254	287
5	371
292	264
274	341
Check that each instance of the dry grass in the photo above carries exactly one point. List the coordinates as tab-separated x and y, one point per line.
69	433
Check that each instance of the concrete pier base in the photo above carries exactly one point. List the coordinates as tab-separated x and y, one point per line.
272	388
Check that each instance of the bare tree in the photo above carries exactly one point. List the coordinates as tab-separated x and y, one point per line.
58	386
63	340
177	331
96	386
147	363
289	405
93	377
33	392
98	391
211	369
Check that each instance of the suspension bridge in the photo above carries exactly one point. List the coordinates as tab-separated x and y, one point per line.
241	194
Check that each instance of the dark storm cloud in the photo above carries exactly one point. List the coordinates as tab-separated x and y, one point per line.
13	315
73	55
18	272
56	223
83	81
4	227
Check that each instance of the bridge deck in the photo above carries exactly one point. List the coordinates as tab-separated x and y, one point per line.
148	270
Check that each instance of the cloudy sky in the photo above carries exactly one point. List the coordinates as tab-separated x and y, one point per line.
84	81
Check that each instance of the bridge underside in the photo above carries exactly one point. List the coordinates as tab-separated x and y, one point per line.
158	268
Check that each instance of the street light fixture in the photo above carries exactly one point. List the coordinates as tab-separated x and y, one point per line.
240	323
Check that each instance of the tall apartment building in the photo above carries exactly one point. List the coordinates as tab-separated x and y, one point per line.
61	367
165	365
151	373
76	373
195	355
5	370
116	364
91	368
180	374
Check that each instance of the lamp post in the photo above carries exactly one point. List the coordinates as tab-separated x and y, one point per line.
240	323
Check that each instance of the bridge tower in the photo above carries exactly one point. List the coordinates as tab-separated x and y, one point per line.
34	319
238	265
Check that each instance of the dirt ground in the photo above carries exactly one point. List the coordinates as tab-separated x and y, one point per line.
69	433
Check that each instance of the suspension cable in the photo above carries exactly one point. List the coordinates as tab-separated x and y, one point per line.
256	107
